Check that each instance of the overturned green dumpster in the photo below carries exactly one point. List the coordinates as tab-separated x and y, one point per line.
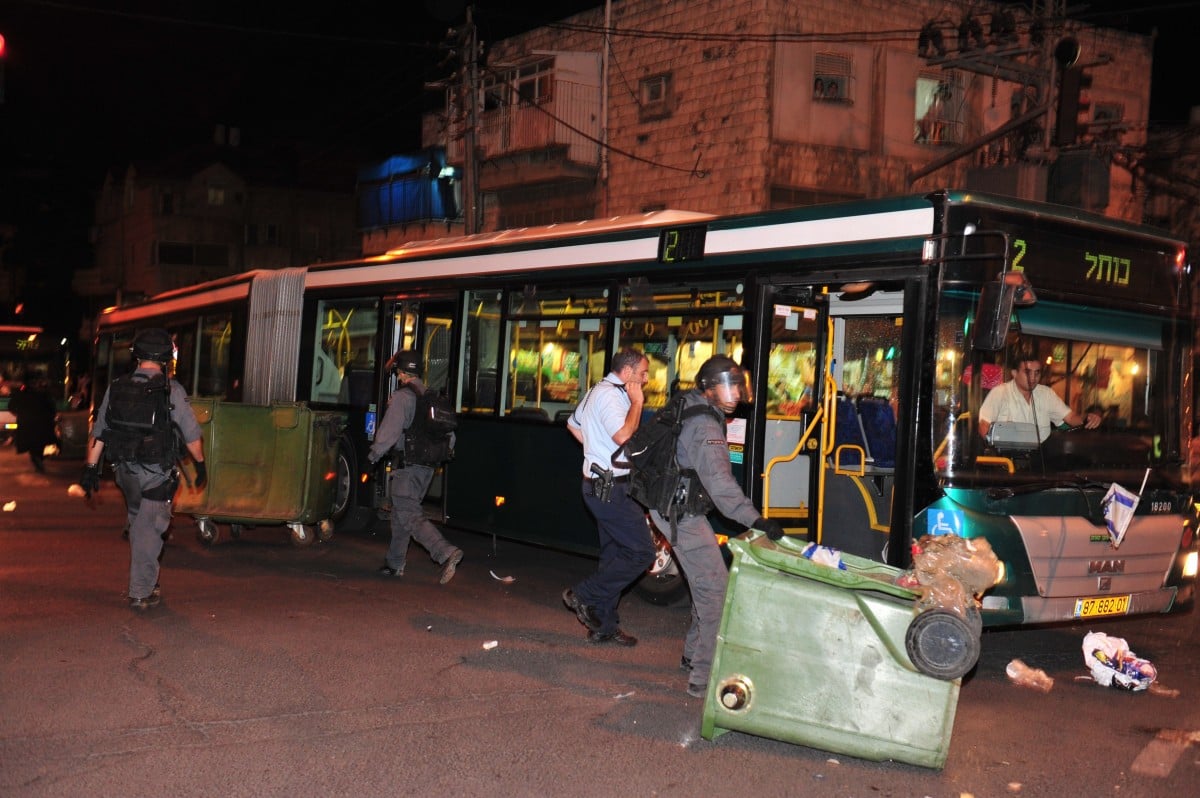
267	465
814	655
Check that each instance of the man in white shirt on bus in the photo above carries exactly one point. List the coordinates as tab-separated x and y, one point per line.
1024	399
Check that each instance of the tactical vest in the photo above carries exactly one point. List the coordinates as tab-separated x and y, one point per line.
138	422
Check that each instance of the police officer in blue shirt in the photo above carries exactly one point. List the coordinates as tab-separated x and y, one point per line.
604	420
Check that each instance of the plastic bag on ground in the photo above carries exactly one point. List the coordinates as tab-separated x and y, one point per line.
1113	665
1025	676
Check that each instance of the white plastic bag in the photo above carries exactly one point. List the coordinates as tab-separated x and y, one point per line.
1113	665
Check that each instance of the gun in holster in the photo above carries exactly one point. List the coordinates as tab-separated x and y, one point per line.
603	483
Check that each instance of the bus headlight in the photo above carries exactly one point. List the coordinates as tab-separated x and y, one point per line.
1190	563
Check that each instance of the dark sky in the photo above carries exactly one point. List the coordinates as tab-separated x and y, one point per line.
91	84
95	81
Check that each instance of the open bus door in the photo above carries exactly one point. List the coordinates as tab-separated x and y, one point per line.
426	325
830	434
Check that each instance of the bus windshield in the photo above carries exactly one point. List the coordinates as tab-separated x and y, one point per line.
1079	394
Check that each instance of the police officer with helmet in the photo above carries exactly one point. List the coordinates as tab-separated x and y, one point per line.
702	446
408	484
137	425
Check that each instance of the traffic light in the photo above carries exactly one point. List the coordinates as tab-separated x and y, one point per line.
1072	103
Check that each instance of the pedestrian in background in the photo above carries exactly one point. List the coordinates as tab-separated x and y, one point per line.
34	410
702	447
607	416
408	482
138	426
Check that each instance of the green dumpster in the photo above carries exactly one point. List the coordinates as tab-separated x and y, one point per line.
267	464
814	655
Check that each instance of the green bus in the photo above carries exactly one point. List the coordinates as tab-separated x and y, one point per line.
873	330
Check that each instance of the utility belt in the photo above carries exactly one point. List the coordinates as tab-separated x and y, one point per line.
615	480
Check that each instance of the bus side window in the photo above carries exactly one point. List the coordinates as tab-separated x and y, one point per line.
344	342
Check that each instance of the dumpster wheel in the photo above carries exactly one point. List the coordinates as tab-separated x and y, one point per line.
206	531
303	534
325	530
942	644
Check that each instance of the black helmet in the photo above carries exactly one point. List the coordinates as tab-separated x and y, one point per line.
154	344
405	360
723	370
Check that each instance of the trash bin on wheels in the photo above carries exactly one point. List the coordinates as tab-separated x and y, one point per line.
814	655
267	464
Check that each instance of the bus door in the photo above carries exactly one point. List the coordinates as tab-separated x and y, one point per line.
832	386
425	325
795	352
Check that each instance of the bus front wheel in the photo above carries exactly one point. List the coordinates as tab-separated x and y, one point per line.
346	513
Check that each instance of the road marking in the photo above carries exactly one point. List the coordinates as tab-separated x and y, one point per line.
1159	756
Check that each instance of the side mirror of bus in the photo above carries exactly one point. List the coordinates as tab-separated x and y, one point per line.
996	302
992	320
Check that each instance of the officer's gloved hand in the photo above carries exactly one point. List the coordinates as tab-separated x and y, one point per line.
770	526
90	480
201	474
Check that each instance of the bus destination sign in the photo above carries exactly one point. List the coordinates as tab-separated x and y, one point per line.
677	244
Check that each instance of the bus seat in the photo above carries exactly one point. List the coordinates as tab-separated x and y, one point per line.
530	412
879	429
357	387
848	431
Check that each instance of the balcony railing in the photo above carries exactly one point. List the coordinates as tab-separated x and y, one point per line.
570	118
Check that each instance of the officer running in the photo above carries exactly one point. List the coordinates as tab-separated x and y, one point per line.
605	419
408	484
721	383
145	461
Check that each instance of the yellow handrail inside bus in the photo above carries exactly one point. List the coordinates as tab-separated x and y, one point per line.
787	458
1007	462
946	440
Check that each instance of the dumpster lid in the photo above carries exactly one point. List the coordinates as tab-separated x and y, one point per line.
785	554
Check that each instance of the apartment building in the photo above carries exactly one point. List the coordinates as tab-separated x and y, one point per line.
209	212
736	106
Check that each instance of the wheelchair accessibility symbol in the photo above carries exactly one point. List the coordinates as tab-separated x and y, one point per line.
944	522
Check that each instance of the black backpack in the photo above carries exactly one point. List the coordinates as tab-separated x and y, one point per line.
429	439
139	423
655	479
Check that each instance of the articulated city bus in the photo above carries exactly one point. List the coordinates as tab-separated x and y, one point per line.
872	330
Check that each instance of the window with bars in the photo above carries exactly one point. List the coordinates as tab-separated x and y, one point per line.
833	78
657	97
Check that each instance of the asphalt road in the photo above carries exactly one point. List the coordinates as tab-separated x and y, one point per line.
272	670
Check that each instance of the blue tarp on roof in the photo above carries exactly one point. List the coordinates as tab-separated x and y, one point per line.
405	188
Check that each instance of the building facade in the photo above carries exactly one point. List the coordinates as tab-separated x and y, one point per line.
205	215
736	106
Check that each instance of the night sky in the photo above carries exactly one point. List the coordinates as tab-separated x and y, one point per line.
91	85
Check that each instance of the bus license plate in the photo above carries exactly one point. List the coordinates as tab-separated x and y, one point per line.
1102	605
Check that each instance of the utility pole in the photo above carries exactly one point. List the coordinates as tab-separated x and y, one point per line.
470	101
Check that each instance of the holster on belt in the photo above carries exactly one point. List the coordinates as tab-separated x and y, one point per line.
603	482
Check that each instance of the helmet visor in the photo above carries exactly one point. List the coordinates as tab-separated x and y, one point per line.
732	386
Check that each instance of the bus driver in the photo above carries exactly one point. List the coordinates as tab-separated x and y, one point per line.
1025	399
